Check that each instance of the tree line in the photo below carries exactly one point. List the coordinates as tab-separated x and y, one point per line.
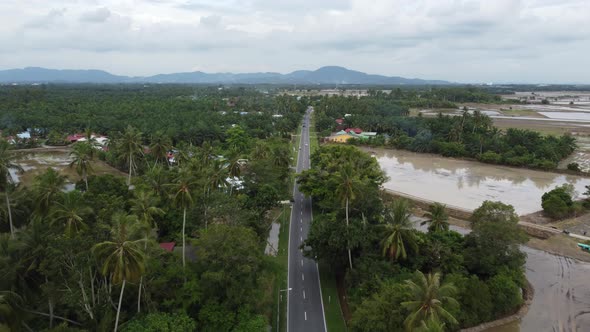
468	134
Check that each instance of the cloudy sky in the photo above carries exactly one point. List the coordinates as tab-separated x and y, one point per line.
458	40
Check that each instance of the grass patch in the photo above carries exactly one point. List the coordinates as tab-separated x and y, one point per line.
521	112
334	319
313	135
281	281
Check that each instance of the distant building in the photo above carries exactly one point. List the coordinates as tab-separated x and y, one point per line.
340	121
354	130
24	135
351	133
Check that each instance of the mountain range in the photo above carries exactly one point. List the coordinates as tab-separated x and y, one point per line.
324	75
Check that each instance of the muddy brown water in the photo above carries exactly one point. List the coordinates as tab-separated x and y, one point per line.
561	301
467	184
562	296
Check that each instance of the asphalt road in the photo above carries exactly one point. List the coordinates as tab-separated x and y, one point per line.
305	310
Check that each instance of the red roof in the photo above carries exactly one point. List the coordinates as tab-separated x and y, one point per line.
356	130
75	137
168	246
339	121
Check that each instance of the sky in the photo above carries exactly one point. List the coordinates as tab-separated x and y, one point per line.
536	41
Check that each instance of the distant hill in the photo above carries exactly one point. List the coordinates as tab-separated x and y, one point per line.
42	75
325	75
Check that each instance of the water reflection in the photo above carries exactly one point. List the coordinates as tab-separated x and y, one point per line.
466	183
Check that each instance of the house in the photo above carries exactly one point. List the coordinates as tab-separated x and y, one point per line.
168	246
340	121
354	130
75	138
341	137
98	139
344	135
24	135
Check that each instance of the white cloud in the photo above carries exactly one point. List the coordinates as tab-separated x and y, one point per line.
96	16
461	40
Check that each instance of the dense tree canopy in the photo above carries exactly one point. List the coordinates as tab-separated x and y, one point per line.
89	258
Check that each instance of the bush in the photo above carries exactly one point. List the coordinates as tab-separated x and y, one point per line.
555	208
402	141
558	202
451	149
475	299
574	167
490	157
544	164
161	322
507	294
491	211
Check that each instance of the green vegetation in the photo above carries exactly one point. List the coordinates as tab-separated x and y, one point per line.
401	278
282	262
334	319
460	135
89	259
574	167
558	203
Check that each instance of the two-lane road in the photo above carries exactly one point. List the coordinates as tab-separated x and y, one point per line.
305	309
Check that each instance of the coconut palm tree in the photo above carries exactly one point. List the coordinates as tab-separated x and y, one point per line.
428	300
260	151
71	212
207	152
281	156
346	192
160	144
122	258
431	325
437	218
399	232
129	144
218	173
46	188
144	205
82	156
89	137
156	178
6	164
11	314
182	198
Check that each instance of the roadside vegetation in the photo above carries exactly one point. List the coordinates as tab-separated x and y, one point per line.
89	259
395	277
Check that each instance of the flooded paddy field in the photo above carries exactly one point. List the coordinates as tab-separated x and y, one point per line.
562	297
35	163
467	184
